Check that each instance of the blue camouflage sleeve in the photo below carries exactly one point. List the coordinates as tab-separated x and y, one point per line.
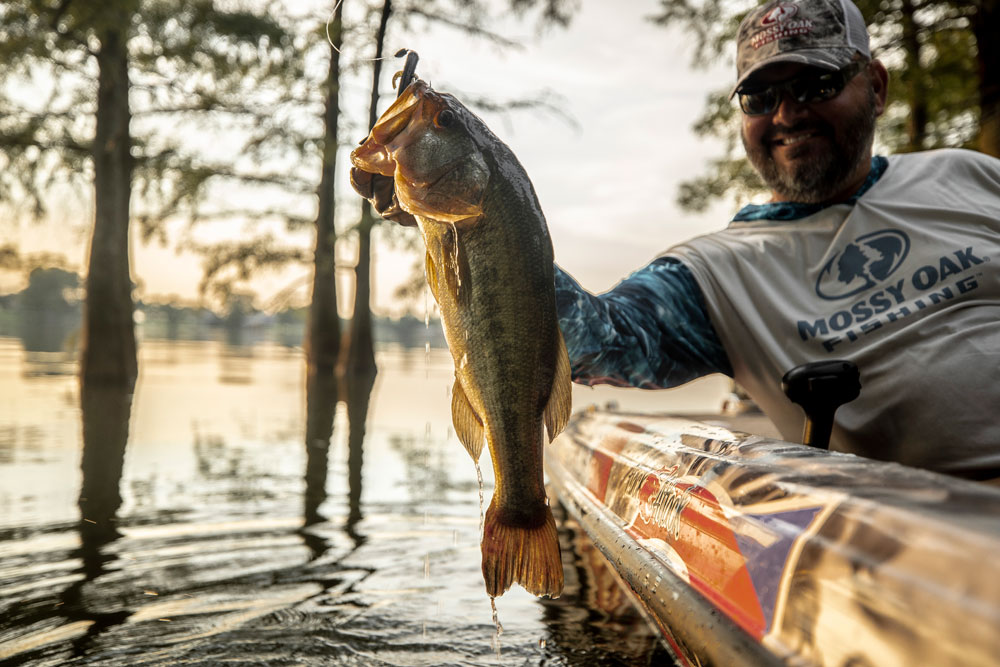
650	331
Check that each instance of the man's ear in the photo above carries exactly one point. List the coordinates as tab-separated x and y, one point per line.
879	77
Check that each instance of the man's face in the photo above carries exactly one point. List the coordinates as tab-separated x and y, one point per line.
814	151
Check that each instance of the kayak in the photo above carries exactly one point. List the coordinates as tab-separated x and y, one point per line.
745	549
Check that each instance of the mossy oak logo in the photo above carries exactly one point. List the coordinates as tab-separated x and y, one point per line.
782	12
871	293
780	23
862	264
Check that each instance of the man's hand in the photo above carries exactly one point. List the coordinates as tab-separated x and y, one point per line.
380	192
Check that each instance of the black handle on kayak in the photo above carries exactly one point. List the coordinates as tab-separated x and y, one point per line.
820	388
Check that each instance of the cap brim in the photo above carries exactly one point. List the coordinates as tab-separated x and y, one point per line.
827	58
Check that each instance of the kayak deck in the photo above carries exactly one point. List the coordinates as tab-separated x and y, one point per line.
750	550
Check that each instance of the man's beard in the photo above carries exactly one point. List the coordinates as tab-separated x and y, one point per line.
819	179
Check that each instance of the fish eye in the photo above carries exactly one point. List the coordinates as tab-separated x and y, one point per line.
444	118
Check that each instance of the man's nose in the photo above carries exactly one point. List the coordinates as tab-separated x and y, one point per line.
789	110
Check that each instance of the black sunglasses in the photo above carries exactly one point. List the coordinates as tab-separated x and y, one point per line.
815	86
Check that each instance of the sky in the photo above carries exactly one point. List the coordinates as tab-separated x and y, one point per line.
607	183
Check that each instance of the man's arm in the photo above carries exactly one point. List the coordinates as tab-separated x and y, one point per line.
651	331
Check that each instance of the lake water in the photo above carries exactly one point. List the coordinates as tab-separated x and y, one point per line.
211	519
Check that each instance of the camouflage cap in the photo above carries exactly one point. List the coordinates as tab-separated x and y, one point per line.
822	33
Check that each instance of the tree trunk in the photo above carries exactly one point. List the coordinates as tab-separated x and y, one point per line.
361	351
323	330
985	25
109	348
916	125
323	342
361	354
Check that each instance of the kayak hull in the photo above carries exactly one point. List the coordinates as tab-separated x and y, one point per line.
750	550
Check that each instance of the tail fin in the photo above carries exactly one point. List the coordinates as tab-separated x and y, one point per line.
525	555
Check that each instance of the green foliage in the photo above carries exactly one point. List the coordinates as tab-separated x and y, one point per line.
10	257
928	47
931	56
229	264
550	12
712	23
12	260
43	137
51	289
226	103
194	65
727	178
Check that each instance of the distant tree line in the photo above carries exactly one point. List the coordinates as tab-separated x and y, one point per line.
47	315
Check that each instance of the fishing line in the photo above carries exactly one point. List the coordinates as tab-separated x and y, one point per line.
330	18
406	75
330	39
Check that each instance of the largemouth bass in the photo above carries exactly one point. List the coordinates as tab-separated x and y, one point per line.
489	267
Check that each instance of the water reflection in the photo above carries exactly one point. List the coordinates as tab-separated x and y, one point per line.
105	414
223	556
236	360
321	407
429	466
322	392
358	393
105	411
594	615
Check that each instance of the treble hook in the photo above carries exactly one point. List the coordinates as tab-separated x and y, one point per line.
407	74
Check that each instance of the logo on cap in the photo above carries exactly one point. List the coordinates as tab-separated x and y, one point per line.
781	12
780	23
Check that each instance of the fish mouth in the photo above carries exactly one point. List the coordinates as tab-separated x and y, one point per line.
449	192
374	155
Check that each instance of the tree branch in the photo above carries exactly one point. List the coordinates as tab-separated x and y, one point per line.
468	28
66	34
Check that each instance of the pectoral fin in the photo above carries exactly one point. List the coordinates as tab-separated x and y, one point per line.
560	403
468	426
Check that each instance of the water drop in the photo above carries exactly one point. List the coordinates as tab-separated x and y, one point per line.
427	333
458	274
482	515
499	628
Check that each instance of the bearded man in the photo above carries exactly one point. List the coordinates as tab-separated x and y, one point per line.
887	262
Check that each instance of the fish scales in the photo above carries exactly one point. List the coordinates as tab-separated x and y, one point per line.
510	350
489	266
